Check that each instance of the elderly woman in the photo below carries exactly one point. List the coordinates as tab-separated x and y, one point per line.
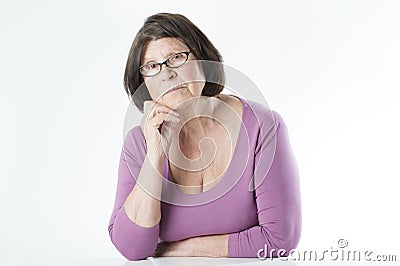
236	178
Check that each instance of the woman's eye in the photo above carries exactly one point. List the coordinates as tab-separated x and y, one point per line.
150	66
176	57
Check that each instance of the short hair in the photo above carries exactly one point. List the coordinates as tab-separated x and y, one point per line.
163	25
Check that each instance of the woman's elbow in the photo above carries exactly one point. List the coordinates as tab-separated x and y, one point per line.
289	245
131	251
291	231
135	256
288	241
282	237
134	253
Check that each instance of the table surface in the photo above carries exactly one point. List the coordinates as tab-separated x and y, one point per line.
176	261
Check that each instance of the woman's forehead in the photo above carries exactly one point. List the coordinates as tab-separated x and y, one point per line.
161	48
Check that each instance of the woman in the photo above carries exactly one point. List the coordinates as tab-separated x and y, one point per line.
212	146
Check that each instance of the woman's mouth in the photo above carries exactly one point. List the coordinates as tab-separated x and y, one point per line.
174	89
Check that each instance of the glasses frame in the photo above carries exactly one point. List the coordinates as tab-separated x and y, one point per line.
165	62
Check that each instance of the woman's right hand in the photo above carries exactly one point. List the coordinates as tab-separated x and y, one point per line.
156	116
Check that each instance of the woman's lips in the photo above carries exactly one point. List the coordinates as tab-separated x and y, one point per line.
174	89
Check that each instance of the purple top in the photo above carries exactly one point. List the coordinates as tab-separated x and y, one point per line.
268	216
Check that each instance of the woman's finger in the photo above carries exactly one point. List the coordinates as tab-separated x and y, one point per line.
163	109
158	106
156	114
169	108
157	120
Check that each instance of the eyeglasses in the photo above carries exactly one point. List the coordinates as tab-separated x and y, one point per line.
173	61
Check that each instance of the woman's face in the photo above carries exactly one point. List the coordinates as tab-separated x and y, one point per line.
188	77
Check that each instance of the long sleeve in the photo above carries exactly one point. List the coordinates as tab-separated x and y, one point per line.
277	199
134	242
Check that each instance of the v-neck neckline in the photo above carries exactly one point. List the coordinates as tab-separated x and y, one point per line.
222	180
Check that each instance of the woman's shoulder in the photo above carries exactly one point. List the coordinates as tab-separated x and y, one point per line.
261	112
256	113
234	102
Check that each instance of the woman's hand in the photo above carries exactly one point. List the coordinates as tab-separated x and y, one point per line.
157	116
182	248
214	246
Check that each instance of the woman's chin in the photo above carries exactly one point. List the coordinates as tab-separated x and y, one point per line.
176	100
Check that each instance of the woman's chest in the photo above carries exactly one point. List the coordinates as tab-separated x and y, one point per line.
203	165
233	212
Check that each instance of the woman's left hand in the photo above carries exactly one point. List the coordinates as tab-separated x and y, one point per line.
182	248
215	246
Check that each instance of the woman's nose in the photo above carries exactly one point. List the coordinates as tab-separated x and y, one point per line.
167	73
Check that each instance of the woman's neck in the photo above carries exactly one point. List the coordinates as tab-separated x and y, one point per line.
197	127
197	116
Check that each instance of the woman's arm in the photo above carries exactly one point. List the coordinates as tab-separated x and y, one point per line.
134	223
202	246
277	198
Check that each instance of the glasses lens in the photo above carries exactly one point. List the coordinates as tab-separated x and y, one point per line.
150	69
177	60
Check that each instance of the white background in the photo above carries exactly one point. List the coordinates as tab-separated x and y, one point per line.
330	68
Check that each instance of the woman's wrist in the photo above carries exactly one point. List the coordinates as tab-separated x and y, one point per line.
156	157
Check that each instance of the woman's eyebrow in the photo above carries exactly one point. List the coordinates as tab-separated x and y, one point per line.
148	61
174	51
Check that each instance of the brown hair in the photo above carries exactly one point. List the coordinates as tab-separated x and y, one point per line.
177	26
